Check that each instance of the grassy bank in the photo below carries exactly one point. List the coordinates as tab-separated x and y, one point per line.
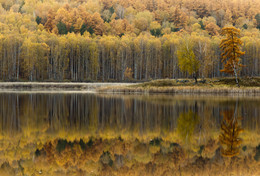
178	86
187	86
47	86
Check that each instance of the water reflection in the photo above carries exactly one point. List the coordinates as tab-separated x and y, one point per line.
230	133
187	122
88	134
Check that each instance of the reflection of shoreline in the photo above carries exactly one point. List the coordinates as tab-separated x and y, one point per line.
182	90
212	97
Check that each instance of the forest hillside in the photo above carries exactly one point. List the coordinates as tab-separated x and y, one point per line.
122	40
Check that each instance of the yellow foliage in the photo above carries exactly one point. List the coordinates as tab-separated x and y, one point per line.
231	50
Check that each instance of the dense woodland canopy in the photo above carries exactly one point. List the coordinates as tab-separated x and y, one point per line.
121	40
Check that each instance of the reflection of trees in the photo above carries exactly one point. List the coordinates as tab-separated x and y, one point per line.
90	114
186	125
230	134
114	124
98	156
111	157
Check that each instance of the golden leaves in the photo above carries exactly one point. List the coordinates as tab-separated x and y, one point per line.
231	49
186	57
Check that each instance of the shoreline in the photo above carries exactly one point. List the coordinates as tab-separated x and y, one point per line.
216	86
123	88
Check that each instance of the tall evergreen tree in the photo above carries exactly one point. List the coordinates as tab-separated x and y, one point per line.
231	51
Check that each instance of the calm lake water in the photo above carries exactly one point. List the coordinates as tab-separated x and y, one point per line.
95	134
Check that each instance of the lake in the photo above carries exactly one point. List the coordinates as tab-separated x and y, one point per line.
100	134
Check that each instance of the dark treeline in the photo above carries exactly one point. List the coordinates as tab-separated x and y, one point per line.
73	57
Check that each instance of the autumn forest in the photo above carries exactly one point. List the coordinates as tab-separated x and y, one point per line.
122	40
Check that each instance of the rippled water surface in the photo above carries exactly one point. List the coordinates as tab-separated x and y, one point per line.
94	134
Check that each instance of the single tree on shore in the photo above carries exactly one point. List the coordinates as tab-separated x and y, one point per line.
231	51
186	58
